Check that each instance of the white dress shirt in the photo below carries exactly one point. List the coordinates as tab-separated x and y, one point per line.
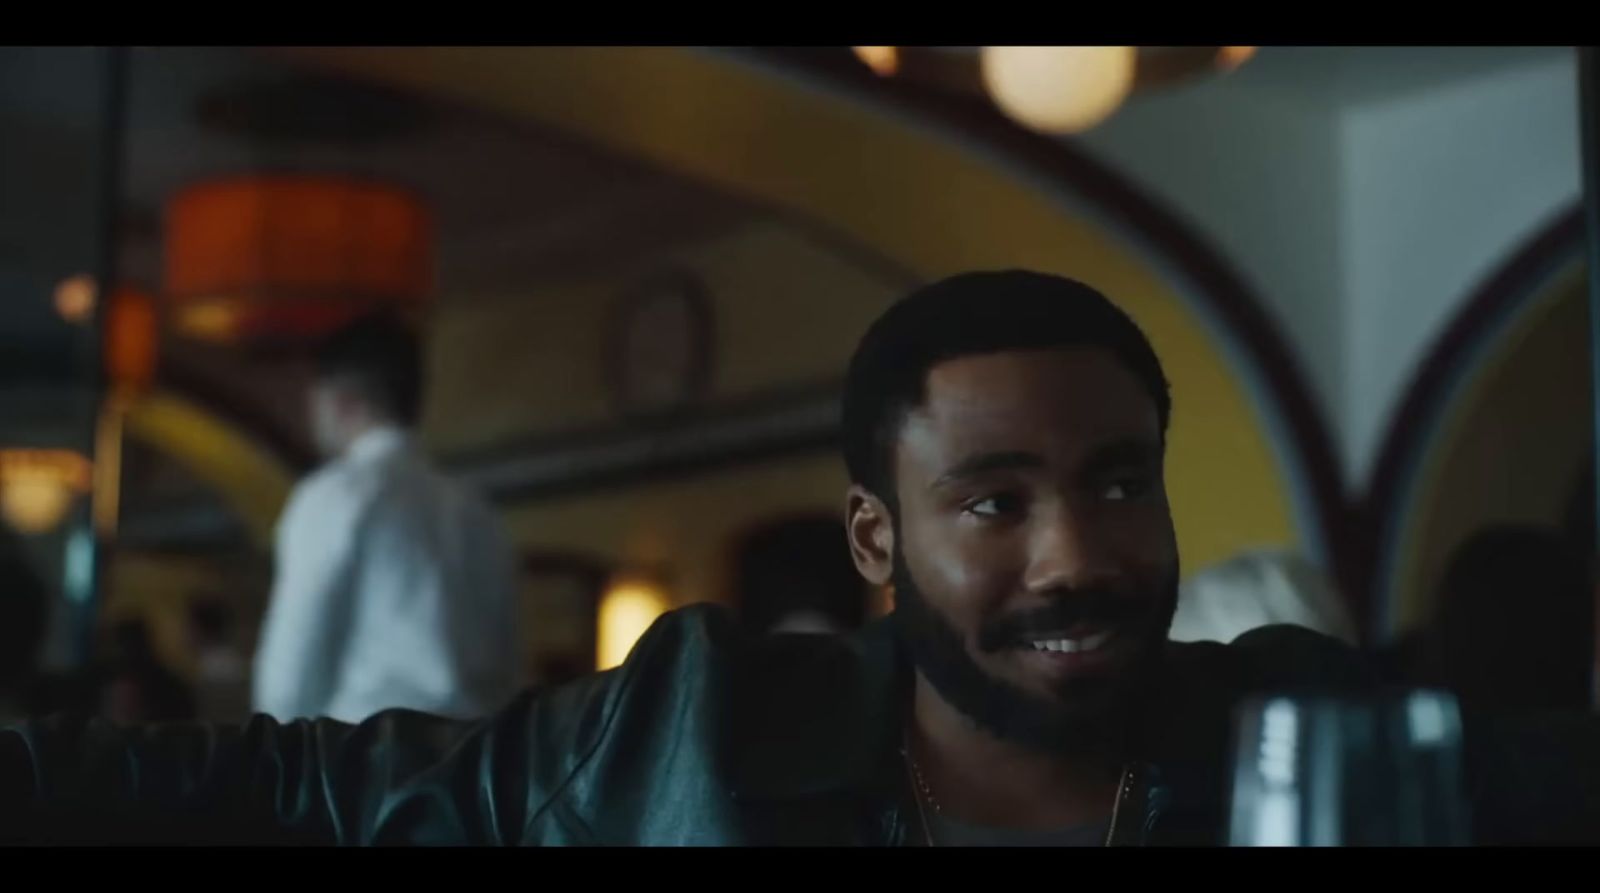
394	588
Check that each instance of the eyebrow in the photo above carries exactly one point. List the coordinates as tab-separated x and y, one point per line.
1116	454
986	463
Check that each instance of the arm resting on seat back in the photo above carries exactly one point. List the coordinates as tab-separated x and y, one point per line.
399	777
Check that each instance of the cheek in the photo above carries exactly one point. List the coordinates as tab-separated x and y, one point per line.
962	572
1143	536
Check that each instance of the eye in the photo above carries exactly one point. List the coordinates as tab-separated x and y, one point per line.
994	506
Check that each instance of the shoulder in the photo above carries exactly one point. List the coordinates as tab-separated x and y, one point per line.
338	494
598	728
1293	657
678	651
754	715
332	486
1204	683
1277	658
796	669
316	487
698	663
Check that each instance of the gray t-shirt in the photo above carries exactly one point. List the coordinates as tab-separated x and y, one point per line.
951	832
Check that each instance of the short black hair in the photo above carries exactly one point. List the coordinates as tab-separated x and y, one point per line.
974	313
381	355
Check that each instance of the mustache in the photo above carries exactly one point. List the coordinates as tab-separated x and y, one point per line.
1094	607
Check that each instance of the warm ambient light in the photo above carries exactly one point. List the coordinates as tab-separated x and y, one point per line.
37	487
1058	89
626	610
884	61
1229	58
75	298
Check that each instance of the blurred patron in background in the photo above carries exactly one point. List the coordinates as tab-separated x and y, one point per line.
1514	624
222	672
795	576
135	686
24	603
1256	589
394	584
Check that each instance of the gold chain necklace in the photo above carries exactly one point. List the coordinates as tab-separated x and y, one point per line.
924	794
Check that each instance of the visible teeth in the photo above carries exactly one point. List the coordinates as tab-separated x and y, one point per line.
1073	646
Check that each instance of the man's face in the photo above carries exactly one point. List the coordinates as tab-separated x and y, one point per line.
1034	559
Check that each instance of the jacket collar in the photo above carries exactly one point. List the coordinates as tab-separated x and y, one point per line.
818	715
823	717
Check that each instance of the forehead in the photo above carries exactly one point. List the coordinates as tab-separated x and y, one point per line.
1058	403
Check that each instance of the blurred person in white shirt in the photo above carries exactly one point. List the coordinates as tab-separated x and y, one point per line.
394	585
1260	588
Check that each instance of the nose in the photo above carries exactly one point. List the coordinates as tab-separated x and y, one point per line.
1067	550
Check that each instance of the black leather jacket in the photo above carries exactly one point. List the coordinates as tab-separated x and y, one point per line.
704	737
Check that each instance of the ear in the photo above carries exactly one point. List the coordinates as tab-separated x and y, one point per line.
870	529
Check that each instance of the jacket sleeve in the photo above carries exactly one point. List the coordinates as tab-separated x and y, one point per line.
1284	658
397	778
1534	779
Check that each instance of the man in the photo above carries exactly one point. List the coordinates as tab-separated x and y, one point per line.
394	586
1005	435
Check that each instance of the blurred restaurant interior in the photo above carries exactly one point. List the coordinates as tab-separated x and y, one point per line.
640	272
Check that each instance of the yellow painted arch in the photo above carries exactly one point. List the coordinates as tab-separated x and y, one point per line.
914	195
1510	440
249	478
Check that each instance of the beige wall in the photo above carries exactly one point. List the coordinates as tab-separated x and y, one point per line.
787	311
684	527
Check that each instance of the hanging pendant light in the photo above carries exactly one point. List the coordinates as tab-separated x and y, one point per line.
1058	89
289	257
1052	89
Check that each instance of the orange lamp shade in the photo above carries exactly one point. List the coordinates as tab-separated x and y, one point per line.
289	256
132	336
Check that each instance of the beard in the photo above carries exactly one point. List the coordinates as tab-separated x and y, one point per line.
1087	714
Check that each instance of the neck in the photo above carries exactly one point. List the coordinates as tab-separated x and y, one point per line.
981	779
